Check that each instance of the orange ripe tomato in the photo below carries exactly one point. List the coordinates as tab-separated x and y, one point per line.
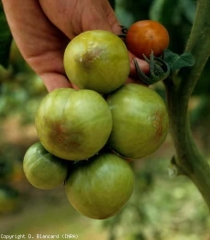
146	36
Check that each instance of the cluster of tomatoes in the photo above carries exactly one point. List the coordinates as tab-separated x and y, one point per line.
88	134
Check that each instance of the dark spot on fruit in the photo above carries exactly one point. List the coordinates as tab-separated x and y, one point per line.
60	135
90	56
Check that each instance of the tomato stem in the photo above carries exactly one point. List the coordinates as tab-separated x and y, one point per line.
158	70
124	31
188	157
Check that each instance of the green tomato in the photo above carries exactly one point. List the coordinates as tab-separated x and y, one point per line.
97	60
42	169
99	187
140	121
73	124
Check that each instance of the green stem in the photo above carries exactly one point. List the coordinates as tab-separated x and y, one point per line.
188	158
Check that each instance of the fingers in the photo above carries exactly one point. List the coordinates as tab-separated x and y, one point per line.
43	28
54	80
76	16
40	42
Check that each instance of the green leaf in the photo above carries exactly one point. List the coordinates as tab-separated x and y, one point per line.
5	39
176	61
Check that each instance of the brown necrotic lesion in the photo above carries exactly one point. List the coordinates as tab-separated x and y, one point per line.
89	57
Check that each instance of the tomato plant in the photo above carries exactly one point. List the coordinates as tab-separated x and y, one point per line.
99	187
97	60
42	169
73	124
140	121
146	36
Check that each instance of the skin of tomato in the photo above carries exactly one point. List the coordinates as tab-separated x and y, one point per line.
101	186
42	169
73	124
97	60
140	121
146	36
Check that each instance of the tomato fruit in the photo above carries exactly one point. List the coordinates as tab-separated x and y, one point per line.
140	121
99	187
73	124
97	60
42	169
146	36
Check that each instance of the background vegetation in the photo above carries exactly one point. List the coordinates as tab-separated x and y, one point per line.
162	207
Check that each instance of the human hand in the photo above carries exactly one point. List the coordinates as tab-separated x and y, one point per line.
42	29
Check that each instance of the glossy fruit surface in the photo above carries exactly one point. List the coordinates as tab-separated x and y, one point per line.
42	169
73	124
146	36
97	60
100	187
140	121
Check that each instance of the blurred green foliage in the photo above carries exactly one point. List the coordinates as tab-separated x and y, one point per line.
21	89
